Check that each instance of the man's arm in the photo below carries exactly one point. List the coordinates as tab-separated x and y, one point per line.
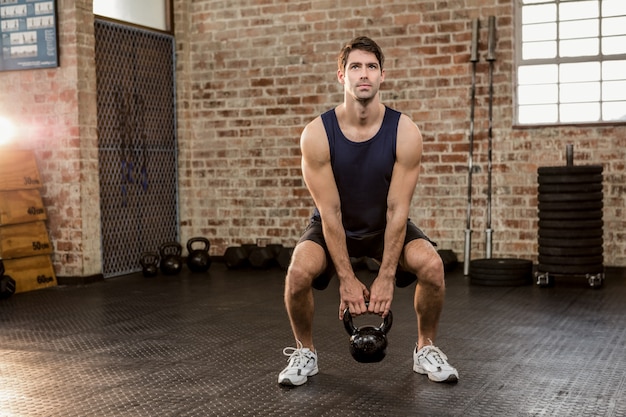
403	182
320	180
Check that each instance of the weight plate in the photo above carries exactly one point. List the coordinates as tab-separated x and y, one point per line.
570	233
569	179
571	243
501	263
571	170
558	251
574	197
570	215
571	260
571	269
570	224
570	188
581	205
500	273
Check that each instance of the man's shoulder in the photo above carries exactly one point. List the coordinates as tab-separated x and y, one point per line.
314	128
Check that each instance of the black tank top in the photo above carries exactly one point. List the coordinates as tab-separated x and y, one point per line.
363	173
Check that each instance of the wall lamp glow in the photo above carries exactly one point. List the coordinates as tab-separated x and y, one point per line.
7	130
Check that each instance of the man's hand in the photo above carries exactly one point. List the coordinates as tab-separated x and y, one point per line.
352	294
381	296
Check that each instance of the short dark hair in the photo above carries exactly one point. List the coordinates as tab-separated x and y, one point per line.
362	43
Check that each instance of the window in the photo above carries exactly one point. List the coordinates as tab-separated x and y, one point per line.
571	61
149	13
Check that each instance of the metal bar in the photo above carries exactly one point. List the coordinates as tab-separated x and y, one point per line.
491	57
470	160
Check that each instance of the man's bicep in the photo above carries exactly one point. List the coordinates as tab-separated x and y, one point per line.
320	181
316	169
407	167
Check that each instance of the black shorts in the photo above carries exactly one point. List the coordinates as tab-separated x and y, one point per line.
370	246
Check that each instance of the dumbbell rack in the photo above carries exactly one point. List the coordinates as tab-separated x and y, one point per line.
25	246
570	223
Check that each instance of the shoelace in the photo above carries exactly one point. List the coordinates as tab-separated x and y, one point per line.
295	353
437	354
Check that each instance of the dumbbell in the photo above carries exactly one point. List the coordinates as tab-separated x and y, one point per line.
236	257
284	257
264	257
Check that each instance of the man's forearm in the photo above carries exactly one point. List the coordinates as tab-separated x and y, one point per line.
395	233
335	237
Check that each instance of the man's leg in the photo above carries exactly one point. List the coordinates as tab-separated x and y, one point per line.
307	262
420	257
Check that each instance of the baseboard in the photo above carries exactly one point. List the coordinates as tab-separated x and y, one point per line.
80	280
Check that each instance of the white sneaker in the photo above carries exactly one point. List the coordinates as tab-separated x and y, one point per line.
431	361
302	364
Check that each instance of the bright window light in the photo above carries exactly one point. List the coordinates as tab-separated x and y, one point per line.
571	61
7	130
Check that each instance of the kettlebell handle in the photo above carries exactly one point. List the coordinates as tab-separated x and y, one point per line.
149	258
203	240
172	248
385	326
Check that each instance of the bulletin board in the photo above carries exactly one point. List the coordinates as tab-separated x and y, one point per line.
28	34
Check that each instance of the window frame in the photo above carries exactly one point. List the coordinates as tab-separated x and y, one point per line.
557	60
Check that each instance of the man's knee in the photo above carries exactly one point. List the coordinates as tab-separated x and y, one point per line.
307	263
421	258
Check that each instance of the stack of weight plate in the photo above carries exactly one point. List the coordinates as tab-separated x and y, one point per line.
570	224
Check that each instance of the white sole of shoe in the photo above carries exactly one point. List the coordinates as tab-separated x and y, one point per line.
433	377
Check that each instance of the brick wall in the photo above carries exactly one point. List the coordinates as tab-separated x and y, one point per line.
55	113
253	73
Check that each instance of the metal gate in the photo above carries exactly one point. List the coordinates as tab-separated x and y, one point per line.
136	143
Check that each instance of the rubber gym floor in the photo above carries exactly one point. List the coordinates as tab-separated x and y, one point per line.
211	345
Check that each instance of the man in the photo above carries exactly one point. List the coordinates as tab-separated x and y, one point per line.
360	162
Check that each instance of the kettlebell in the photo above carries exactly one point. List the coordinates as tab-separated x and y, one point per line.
149	263
367	343
171	261
198	259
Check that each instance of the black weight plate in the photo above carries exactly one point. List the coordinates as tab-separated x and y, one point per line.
571	269
569	188
571	260
570	233
501	263
499	273
501	282
571	242
571	170
580	205
569	179
571	224
570	215
559	251
573	197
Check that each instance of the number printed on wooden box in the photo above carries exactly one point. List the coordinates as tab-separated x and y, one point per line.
23	240
21	206
18	170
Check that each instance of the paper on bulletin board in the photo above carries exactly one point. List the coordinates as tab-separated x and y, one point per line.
28	34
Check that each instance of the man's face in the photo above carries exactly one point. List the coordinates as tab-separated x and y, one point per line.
362	76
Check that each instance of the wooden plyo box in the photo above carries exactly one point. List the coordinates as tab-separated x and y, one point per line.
18	170
23	240
21	206
32	273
